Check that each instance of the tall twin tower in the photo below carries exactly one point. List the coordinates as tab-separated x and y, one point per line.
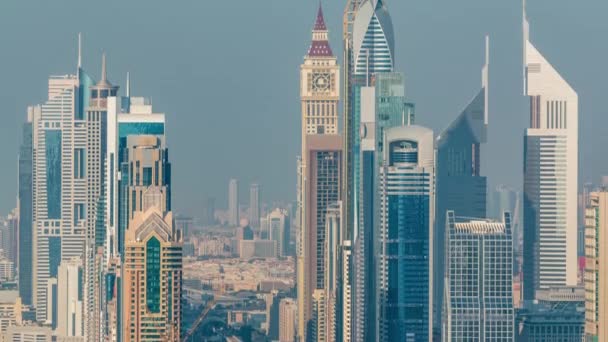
386	205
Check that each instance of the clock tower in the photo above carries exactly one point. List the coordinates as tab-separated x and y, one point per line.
319	180
319	84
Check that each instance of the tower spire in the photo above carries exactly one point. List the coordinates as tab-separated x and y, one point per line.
103	67
79	50
128	87
485	79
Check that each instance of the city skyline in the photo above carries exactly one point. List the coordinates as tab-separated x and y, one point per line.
416	206
414	54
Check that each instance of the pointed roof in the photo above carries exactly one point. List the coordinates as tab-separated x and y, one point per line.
320	45
320	23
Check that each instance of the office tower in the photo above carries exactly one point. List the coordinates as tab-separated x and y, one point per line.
59	191
10	309
25	211
287	320
16	333
405	254
254	205
152	274
278	225
184	224
320	169
478	301
90	164
233	202
550	175
70	299
460	185
596	272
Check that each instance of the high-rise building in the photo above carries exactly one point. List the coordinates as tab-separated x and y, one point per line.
91	164
333	272
287	320
60	190
18	333
70	299
320	169
550	176
346	300
405	281
254	205
278	225
25	211
152	274
460	185
233	202
318	322
596	271
478	301
209	218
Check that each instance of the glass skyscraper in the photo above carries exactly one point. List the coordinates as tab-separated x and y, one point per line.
478	301
406	207
460	185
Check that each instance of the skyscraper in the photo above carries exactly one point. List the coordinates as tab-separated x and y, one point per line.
405	254
550	176
478	301
152	274
254	205
91	163
333	272
596	271
460	185
59	189
233	202
320	169
25	211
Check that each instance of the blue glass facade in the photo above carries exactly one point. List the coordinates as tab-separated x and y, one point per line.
153	275
25	215
53	173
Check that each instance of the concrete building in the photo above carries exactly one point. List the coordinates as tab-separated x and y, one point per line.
478	305
7	270
10	309
406	209
233	202
596	270
550	176
287	320
320	169
258	249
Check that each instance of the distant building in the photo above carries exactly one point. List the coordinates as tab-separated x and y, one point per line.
278	226
25	211
184	224
478	305
7	270
596	270
254	205
257	249
209	214
287	320
233	202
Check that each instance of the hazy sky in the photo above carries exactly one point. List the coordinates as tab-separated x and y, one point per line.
226	73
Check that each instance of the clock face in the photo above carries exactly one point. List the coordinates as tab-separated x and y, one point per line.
321	82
